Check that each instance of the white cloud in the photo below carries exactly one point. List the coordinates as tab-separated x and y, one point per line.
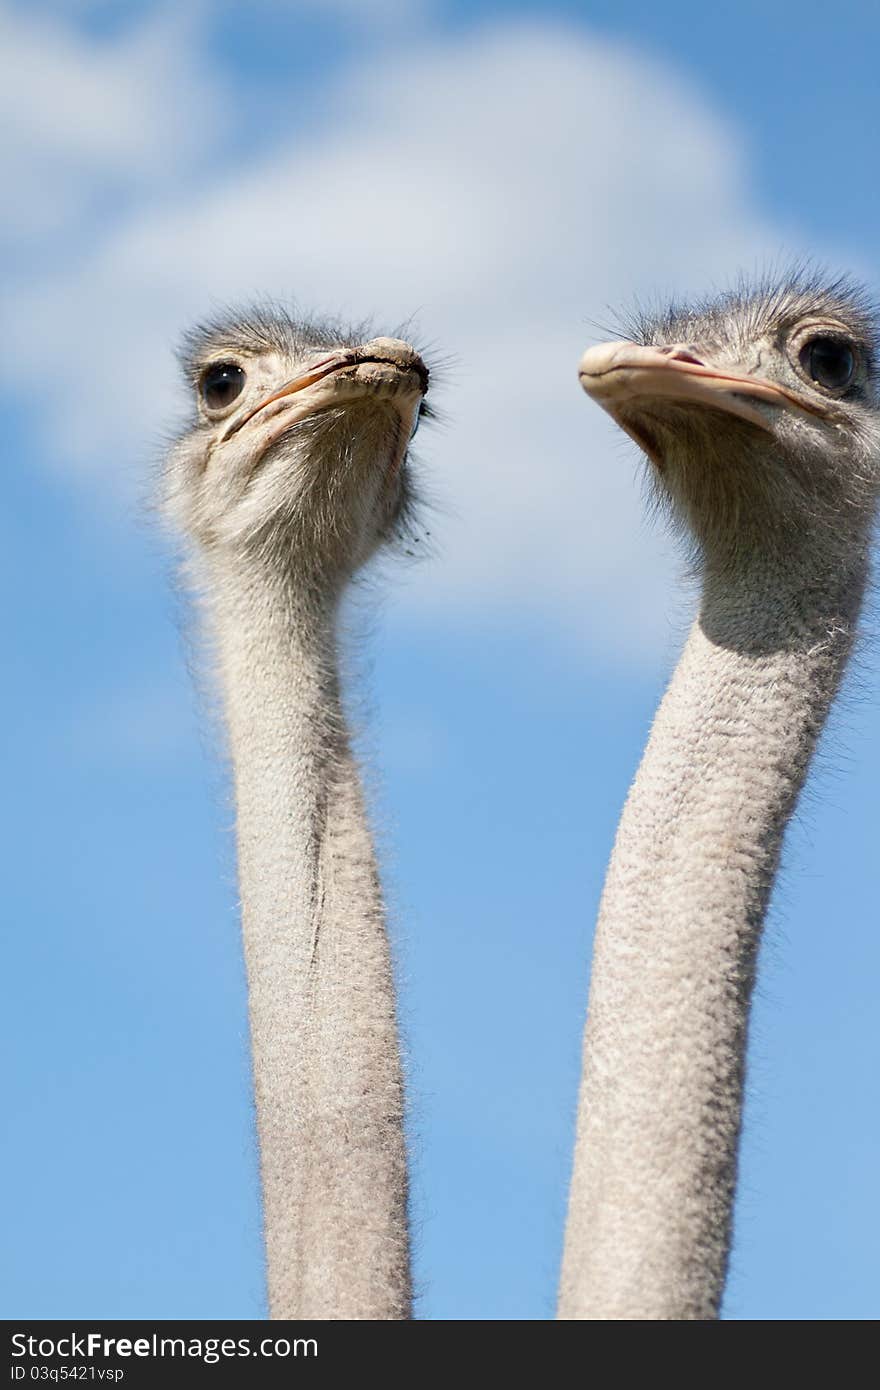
87	123
507	186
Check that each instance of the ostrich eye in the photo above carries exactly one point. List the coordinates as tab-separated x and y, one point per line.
221	384
829	362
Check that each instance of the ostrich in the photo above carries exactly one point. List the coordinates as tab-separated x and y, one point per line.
759	415
292	473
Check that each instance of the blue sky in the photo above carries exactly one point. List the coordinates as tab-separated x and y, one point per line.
505	172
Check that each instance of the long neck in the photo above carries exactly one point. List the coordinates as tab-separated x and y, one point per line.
698	846
327	1072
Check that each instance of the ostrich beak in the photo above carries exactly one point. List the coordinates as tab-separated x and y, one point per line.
385	351
309	377
617	375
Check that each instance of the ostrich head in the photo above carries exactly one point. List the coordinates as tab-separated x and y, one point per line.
297	448
759	414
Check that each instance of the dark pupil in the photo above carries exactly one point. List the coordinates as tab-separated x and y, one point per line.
221	384
829	362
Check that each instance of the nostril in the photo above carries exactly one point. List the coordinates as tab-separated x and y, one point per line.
685	355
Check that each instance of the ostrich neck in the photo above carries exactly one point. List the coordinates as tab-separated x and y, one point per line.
693	864
326	1061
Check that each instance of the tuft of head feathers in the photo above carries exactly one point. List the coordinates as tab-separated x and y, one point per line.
754	308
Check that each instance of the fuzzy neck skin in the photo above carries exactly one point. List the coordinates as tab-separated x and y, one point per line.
649	1221
327	1073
